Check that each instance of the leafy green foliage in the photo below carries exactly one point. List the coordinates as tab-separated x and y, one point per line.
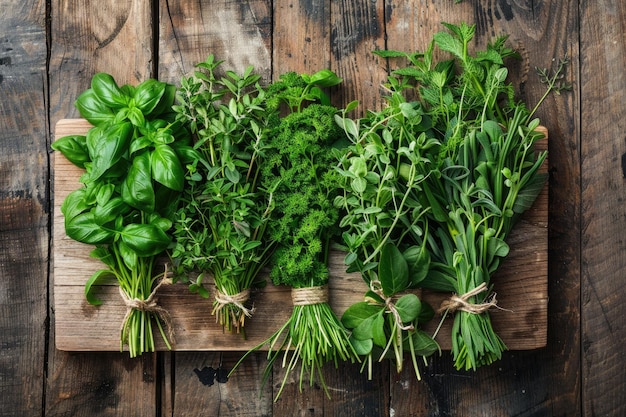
383	209
133	158
220	224
480	175
299	169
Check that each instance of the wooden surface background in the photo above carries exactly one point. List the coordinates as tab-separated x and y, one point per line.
49	49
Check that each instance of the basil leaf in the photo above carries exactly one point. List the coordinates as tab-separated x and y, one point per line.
104	255
74	204
91	108
84	228
166	167
109	211
74	148
166	101
107	145
137	189
148	94
129	256
145	239
107	90
96	277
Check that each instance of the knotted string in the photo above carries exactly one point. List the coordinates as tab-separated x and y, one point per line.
460	302
149	305
309	295
222	299
376	288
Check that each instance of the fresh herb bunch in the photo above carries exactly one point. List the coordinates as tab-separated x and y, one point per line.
133	159
484	174
381	176
299	167
221	222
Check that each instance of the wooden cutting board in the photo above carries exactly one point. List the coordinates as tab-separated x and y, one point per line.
521	285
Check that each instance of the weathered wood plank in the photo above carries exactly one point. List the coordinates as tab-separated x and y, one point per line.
24	207
301	36
88	37
358	29
542	382
603	183
238	33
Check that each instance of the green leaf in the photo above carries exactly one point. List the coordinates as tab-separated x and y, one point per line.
528	194
99	277
145	239
448	43
418	260
166	102
378	330
423	344
167	168
107	145
107	91
361	347
393	271
148	94
84	228
75	203
109	211
74	148
325	78
358	313
129	256
408	307
91	108
137	189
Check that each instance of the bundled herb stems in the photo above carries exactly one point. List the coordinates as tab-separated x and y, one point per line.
299	167
220	225
133	159
235	177
480	177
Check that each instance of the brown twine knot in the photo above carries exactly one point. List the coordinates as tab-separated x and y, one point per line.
222	300
460	302
309	295
390	307
149	305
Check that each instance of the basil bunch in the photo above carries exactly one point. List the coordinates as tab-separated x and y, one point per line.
133	158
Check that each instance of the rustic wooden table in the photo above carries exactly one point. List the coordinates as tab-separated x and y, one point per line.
50	49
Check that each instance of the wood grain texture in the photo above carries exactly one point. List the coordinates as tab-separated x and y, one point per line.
238	33
358	29
603	149
89	37
24	208
522	282
301	35
86	38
